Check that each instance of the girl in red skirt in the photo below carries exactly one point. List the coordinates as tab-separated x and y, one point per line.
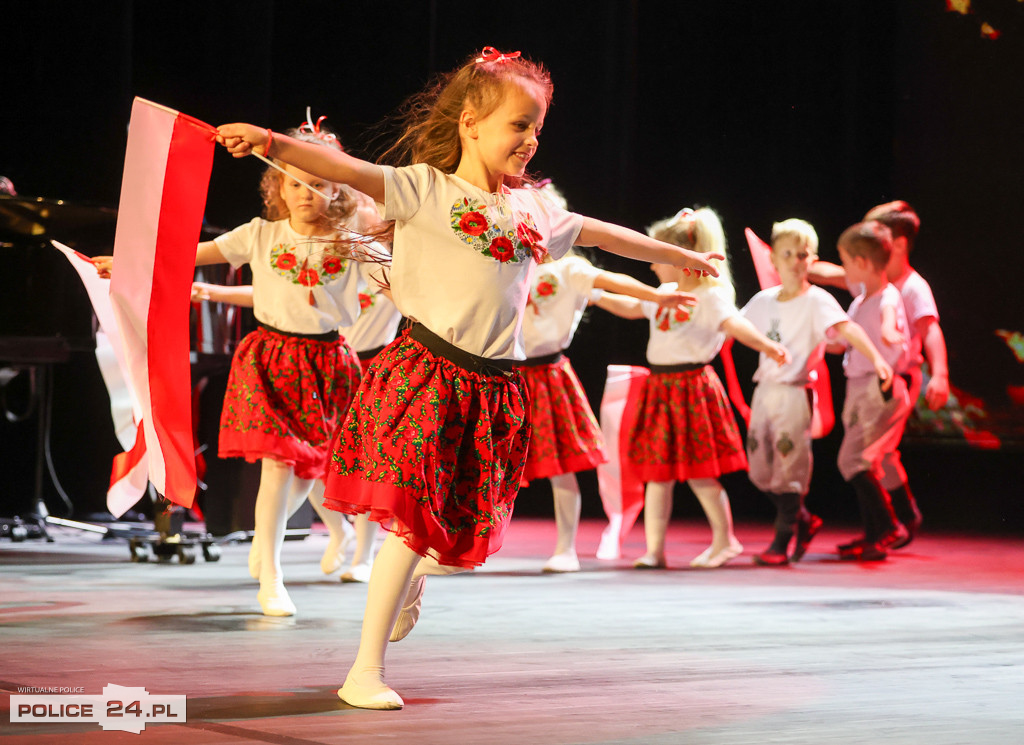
566	437
435	442
685	429
293	378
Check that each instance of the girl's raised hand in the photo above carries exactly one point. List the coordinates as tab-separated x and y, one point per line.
694	261
243	139
675	299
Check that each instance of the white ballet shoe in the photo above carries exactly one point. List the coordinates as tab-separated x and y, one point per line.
334	555
609	549
564	562
357	573
254	559
369	695
274	600
722	557
649	561
410	613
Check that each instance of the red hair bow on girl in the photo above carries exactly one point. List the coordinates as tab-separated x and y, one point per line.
490	54
314	129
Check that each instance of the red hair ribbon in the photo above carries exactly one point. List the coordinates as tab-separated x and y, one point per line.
490	54
314	129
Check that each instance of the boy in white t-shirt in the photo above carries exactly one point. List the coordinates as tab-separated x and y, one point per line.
801	317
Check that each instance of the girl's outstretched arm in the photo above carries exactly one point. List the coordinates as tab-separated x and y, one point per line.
206	253
631	244
626	285
622	306
327	163
240	295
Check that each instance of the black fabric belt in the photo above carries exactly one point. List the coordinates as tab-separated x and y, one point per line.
682	367
460	357
368	354
547	359
326	336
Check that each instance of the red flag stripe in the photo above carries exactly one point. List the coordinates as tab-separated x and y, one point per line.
187	174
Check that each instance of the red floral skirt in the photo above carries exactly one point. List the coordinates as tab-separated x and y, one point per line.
685	428
286	396
566	437
433	452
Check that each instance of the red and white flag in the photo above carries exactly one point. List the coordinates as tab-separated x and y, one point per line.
163	194
130	474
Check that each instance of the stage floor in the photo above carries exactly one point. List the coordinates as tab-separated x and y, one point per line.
926	648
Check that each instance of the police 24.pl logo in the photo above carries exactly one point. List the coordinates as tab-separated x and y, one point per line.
119	708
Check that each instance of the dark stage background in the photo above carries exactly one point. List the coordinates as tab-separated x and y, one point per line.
763	110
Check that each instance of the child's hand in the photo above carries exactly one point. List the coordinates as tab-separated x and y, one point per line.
777	352
884	372
200	292
694	261
936	393
243	139
104	265
892	337
674	299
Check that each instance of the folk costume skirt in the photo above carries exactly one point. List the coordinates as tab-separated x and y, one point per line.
685	428
285	398
433	449
566	437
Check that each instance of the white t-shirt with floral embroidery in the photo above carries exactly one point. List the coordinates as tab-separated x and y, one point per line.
462	257
378	320
692	335
559	294
286	267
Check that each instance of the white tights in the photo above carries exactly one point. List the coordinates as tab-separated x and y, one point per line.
279	489
394	570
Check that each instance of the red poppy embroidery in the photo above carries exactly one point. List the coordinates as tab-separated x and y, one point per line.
502	249
544	288
286	261
668	318
473	223
332	265
308	278
365	301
